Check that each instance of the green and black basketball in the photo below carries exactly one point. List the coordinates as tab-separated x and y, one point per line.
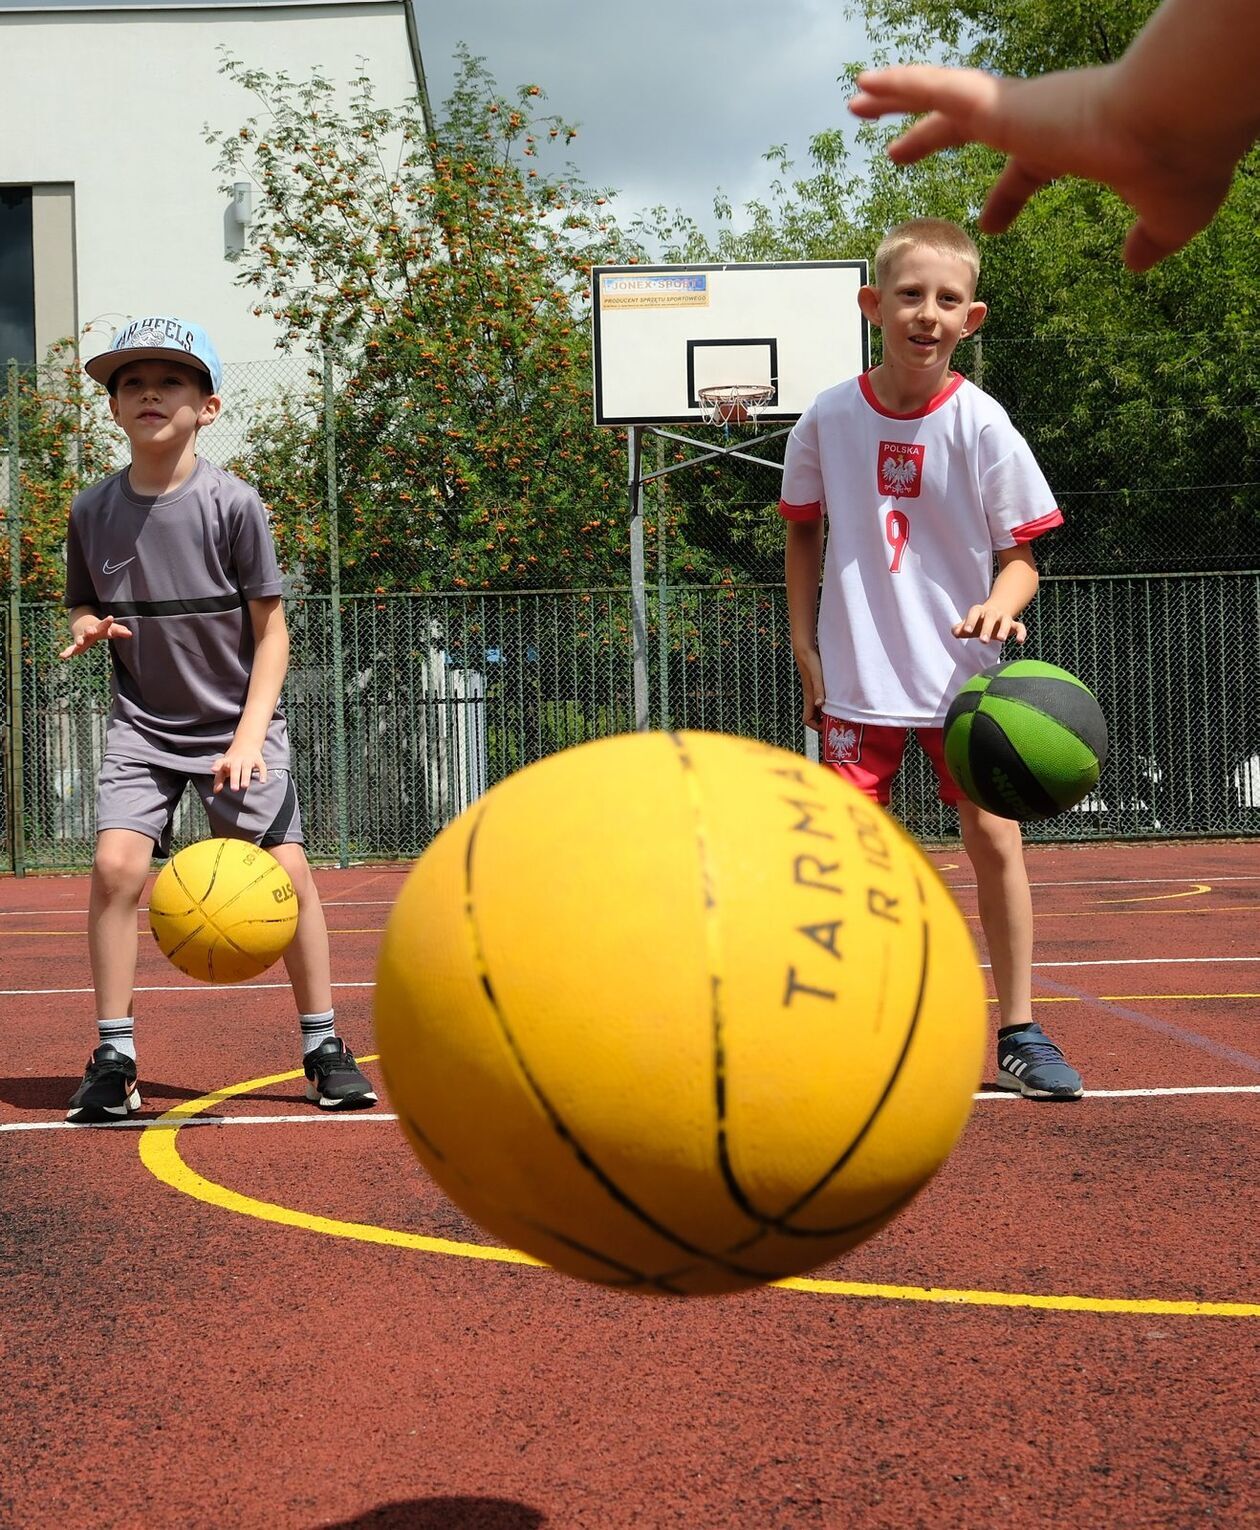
1025	740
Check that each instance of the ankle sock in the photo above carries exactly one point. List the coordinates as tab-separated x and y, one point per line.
120	1034
316	1029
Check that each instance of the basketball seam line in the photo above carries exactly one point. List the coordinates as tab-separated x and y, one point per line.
1058	721
558	1125
1047	807
209	918
876	1112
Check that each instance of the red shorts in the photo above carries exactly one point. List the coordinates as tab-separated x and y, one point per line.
869	755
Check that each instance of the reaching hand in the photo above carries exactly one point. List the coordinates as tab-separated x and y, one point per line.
1078	122
238	767
990	623
93	632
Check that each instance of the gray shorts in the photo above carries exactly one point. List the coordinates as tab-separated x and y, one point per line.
136	794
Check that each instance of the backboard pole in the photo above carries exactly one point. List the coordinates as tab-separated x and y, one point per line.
638	580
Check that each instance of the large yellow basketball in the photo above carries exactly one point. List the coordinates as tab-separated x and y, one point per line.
678	1013
223	910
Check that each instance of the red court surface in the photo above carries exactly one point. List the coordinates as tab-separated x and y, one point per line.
269	1317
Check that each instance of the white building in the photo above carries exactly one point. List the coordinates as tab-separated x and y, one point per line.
110	203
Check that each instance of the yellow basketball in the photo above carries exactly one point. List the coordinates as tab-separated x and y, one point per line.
678	1013
223	910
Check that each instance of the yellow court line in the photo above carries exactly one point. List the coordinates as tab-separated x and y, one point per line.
1196	891
1139	1307
160	1155
1164	913
1115	998
52	934
1109	997
159	1152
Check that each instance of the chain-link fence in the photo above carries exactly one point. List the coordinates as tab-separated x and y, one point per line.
412	690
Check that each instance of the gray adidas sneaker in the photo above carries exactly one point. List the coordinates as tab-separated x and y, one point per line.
1028	1061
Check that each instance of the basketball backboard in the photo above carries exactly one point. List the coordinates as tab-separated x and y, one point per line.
661	333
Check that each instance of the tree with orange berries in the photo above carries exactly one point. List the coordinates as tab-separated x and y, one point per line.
447	275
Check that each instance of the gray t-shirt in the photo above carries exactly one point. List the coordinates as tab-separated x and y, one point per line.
178	570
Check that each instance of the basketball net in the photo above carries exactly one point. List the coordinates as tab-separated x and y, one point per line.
734	403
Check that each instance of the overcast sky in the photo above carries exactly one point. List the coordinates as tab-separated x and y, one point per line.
674	98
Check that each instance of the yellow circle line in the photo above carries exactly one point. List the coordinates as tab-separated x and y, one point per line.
1158	913
159	1153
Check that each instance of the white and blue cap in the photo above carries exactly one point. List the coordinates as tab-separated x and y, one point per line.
157	339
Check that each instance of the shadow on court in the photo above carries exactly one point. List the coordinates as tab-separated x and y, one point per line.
53	1093
446	1514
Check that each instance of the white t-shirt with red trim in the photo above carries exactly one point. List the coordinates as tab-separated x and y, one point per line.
916	507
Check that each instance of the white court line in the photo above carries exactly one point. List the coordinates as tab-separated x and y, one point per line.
139	1125
143	908
37	993
1117	961
384	1115
1149	961
1213	882
26	913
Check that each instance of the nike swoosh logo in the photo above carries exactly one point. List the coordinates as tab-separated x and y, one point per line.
112	568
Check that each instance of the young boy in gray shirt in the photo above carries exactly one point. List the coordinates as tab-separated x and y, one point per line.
172	562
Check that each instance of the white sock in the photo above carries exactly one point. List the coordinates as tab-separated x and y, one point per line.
119	1034
316	1029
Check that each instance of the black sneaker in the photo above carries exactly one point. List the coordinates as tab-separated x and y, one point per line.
333	1080
1031	1063
108	1091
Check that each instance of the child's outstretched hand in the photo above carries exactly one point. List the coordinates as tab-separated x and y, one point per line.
1079	122
93	632
990	624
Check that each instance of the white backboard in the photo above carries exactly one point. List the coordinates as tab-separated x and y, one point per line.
660	333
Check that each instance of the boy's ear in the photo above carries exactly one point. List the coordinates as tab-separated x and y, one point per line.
869	301
975	318
209	412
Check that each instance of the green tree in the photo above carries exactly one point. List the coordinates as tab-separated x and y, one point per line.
1138	395
448	277
1009	36
65	440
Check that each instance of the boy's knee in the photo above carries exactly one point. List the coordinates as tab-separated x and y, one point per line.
293	858
993	838
120	870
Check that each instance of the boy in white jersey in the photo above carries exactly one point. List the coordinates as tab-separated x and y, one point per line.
922	481
171	561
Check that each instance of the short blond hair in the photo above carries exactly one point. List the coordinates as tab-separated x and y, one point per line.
926	233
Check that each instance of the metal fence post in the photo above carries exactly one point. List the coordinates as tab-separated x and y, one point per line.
638	581
662	588
334	590
17	720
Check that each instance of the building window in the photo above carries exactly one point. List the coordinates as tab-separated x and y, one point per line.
17	276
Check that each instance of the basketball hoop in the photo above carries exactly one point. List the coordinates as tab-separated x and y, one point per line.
734	403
